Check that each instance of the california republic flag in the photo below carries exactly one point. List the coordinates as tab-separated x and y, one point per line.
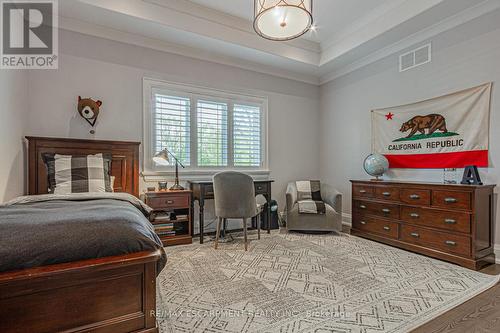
445	132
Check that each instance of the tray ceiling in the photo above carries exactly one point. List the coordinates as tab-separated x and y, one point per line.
350	33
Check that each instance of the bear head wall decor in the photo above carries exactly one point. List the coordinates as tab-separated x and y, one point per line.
89	109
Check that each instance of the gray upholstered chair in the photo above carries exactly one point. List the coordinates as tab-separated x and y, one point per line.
330	221
234	196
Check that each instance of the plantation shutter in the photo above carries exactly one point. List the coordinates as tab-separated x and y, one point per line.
212	122
172	125
247	135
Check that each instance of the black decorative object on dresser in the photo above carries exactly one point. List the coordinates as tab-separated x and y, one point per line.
171	216
452	222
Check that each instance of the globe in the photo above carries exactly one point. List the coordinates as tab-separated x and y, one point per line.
376	165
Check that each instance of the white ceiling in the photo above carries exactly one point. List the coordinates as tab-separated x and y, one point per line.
330	16
350	33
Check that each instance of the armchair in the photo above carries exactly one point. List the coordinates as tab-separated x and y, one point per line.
330	221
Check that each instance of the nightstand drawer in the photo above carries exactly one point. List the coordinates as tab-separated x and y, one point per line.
170	201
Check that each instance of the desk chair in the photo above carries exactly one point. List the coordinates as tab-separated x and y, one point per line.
234	196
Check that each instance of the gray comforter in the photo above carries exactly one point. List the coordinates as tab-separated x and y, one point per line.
49	229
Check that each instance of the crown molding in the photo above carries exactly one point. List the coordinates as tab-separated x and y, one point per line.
375	24
202	21
449	23
276	59
230	21
92	29
361	23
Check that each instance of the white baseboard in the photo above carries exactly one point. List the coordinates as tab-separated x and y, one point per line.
497	253
347	219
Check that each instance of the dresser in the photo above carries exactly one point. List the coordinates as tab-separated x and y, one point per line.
451	222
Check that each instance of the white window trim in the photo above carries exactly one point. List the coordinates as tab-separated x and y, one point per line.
152	173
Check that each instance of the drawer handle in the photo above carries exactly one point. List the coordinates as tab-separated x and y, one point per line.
415	196
386	228
386	194
362	222
450	243
415	234
259	188
414	215
362	206
450	200
386	210
362	191
450	221
170	202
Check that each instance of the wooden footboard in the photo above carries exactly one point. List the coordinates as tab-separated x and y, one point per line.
113	294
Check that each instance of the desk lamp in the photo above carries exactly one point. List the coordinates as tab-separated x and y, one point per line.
162	158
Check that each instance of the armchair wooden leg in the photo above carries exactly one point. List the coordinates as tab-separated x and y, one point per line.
245	233
217	232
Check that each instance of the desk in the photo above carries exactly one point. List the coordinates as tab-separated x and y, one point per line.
204	190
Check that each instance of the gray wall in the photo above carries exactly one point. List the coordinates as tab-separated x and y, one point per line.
113	72
463	58
13	112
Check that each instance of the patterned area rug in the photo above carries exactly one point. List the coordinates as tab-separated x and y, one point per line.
307	283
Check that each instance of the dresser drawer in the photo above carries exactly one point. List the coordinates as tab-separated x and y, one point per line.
436	218
439	240
451	199
363	191
415	196
167	202
387	193
377	208
377	226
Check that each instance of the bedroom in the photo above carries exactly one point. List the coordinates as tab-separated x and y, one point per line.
315	94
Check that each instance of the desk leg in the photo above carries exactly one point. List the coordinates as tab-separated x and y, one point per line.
191	217
268	198
201	219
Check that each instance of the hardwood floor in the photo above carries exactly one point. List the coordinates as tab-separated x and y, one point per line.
480	314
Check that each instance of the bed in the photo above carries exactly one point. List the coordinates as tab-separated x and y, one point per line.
112	293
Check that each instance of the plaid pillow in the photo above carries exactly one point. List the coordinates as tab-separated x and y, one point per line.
78	174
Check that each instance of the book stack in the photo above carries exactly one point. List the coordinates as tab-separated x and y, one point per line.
165	229
162	218
182	217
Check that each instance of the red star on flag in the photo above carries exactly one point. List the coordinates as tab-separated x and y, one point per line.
389	116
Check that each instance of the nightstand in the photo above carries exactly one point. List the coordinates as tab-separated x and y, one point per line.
171	216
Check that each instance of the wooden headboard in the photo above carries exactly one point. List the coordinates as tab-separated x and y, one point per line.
124	166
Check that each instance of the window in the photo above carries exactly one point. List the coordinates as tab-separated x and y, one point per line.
212	133
246	135
172	125
207	130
